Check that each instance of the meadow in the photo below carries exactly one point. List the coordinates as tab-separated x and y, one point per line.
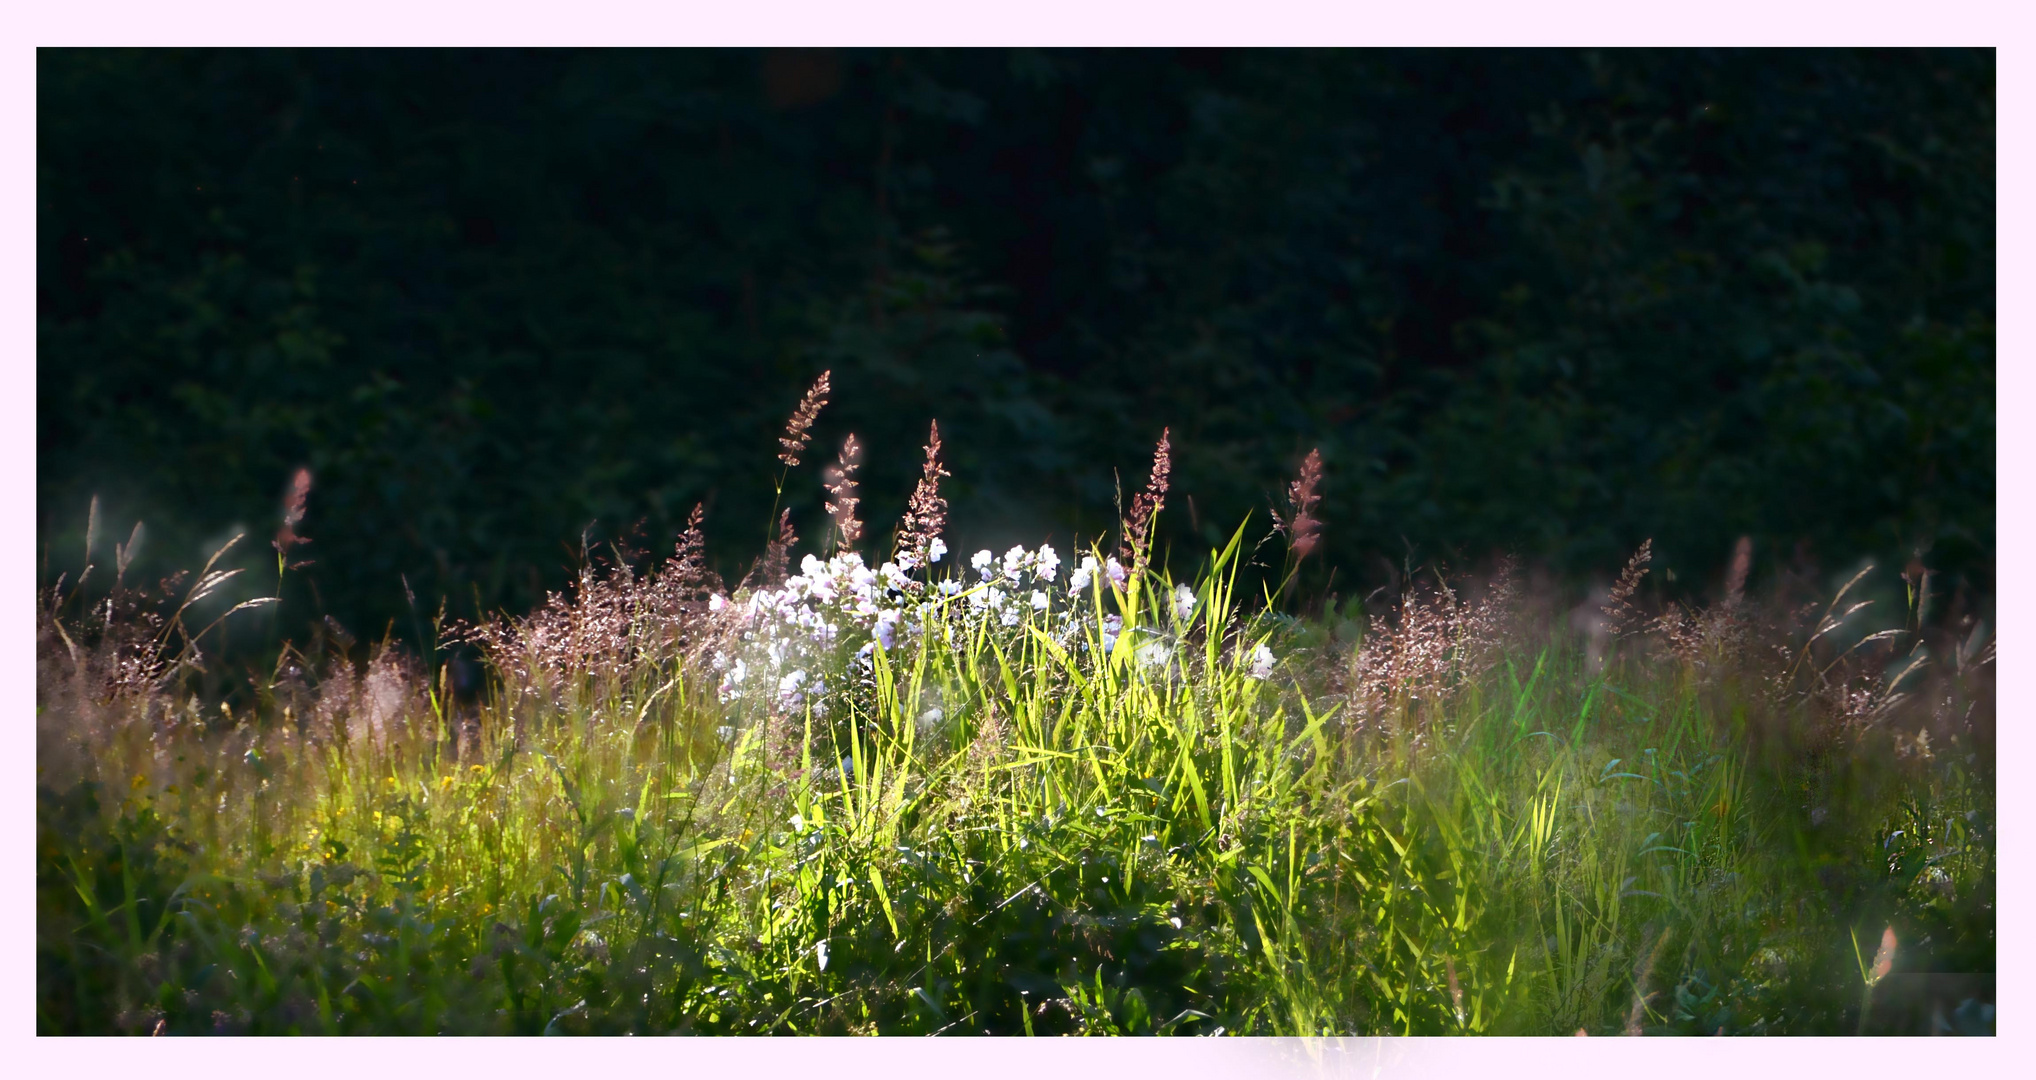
883	788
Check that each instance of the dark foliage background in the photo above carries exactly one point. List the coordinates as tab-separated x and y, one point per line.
1555	302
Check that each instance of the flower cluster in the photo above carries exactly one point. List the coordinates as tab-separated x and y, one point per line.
1085	574
835	613
786	635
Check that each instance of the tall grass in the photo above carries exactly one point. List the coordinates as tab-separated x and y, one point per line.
1139	805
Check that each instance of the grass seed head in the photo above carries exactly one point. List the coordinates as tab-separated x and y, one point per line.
798	429
294	500
841	491
1302	527
1146	505
926	513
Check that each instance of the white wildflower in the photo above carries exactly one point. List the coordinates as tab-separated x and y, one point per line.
1184	603
792	689
731	682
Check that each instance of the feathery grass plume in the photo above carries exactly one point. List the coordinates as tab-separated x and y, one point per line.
1145	506
770	571
293	515
1487	625
1884	957
1302	527
293	512
1735	577
926	514
1883	963
798	430
91	535
1713	638
1433	645
1721	634
841	489
123	554
683	591
608	624
1619	608
689	557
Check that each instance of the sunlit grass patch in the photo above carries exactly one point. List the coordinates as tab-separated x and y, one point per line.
1028	795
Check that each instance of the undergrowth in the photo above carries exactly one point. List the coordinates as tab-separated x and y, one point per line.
1026	797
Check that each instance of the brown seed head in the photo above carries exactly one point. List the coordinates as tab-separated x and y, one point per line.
1146	505
1303	528
798	429
926	514
1619	605
1735	578
777	559
293	512
841	488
